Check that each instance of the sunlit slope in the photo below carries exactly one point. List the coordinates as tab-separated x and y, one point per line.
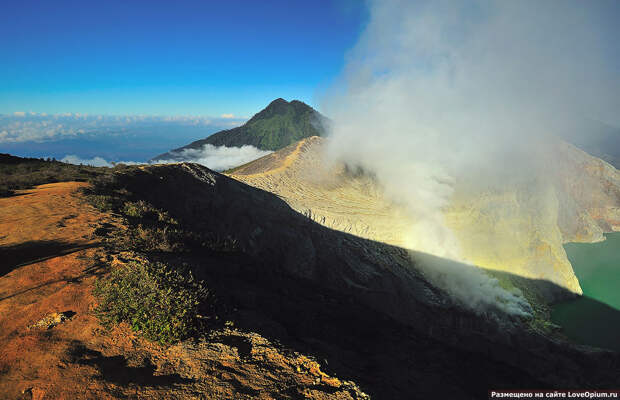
327	192
512	230
590	205
521	228
518	229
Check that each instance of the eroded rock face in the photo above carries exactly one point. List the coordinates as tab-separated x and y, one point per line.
521	228
590	205
513	230
518	228
327	192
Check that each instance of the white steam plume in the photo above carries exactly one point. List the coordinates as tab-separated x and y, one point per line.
440	93
472	286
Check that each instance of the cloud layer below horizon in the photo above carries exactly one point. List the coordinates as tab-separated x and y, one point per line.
103	139
22	127
218	158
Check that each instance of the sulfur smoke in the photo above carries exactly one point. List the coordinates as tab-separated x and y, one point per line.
471	94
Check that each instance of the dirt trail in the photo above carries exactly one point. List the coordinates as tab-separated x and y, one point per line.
46	249
49	260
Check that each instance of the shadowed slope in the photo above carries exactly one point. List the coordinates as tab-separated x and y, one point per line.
361	304
17	255
360	308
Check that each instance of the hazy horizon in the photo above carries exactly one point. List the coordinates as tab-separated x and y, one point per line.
159	77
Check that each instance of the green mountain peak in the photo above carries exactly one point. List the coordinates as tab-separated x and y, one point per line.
276	126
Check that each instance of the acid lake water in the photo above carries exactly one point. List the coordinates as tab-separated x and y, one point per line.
594	319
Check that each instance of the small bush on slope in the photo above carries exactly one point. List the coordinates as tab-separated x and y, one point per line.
162	303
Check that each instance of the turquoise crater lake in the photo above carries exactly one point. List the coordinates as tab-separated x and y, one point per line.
594	319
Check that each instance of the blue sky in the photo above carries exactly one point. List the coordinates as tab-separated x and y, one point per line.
204	58
220	62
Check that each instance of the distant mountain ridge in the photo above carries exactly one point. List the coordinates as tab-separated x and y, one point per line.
278	125
596	138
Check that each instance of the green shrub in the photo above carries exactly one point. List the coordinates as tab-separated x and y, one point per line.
101	202
161	302
155	239
141	210
135	209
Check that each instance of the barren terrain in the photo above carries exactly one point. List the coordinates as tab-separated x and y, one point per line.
50	259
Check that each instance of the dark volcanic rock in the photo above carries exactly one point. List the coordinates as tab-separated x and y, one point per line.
359	305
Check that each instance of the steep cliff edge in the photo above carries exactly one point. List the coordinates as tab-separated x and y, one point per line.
519	229
593	185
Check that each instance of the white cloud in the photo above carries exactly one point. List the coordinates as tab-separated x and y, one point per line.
218	158
227	116
31	127
95	162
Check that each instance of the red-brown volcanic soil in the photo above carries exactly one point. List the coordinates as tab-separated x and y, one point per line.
49	260
47	266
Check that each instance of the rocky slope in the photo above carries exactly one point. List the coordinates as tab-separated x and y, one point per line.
355	282
306	311
594	188
519	230
359	302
